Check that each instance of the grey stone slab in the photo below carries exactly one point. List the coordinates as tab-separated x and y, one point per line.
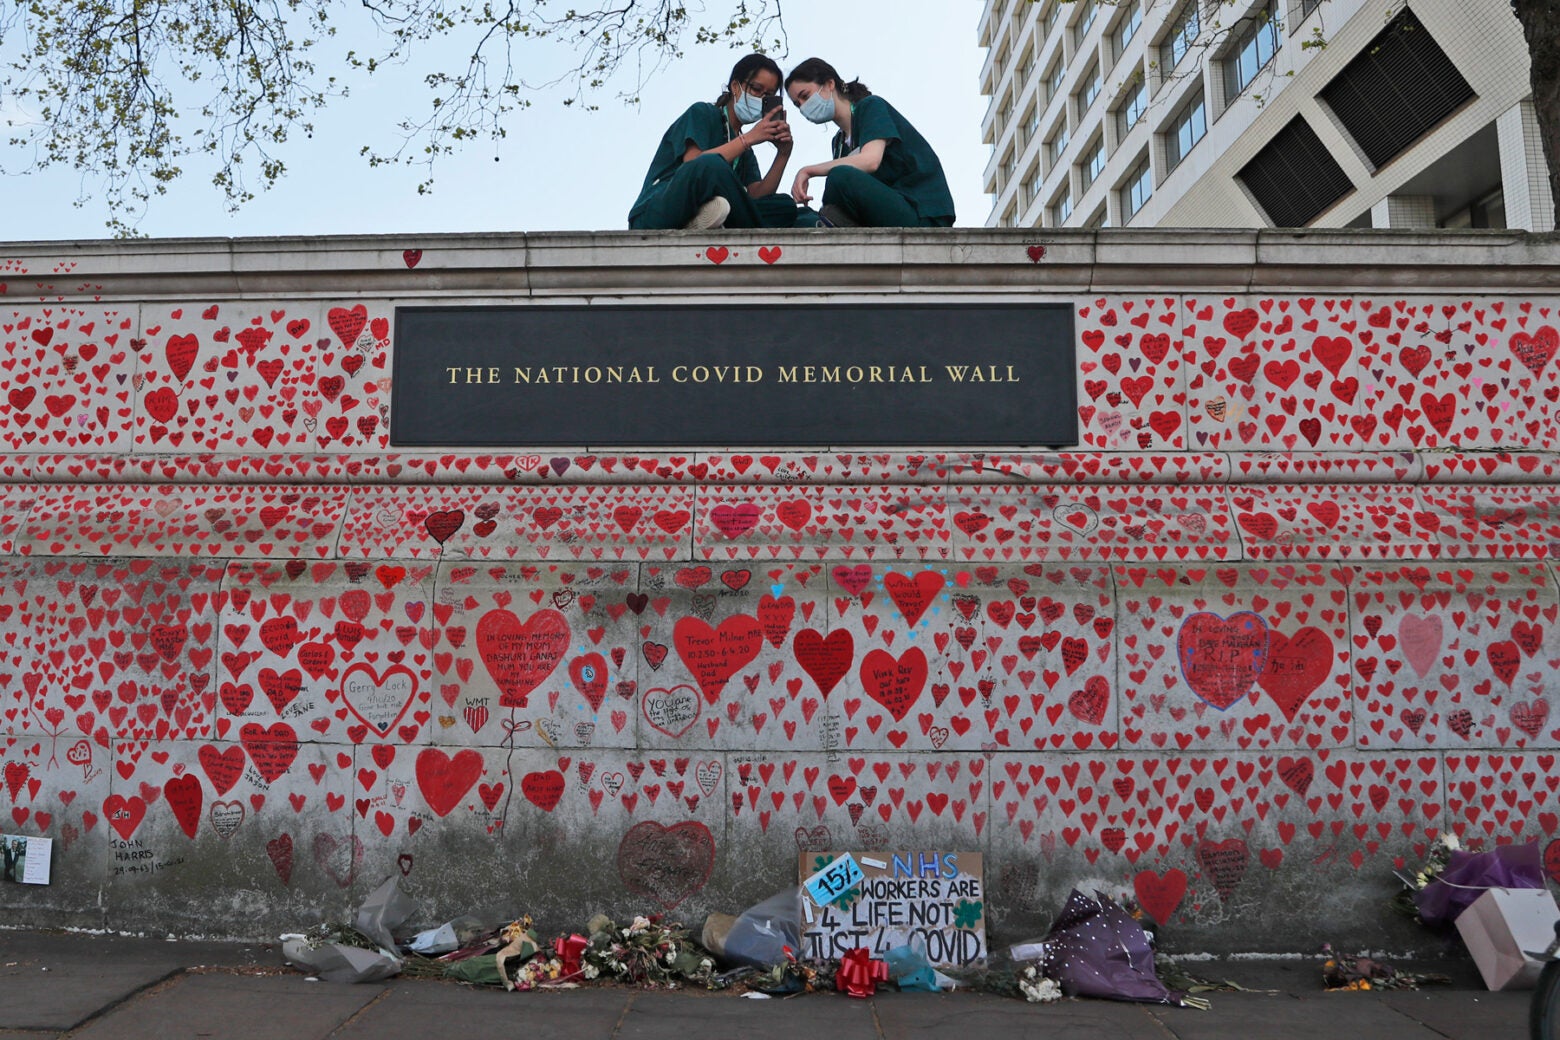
55	982
1283	1017
237	1007
907	1016
416	1009
667	1016
1461	1015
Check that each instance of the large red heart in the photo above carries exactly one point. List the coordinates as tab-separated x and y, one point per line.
543	790
1160	894
896	685
272	749
714	655
666	864
1224	863
1222	657
825	658
589	675
913	595
1296	666
185	798
520	655
444	780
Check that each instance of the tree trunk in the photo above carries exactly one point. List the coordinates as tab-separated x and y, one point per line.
1541	25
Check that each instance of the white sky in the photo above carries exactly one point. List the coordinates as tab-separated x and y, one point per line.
560	168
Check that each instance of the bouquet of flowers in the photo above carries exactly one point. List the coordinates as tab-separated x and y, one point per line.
1437	857
648	952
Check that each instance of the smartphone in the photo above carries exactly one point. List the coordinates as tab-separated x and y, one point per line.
774	107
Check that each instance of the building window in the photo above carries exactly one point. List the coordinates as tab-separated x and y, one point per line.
1090	89
1032	187
1127	28
1396	90
1185	130
1294	178
1184	30
1061	209
1051	18
1032	122
1053	79
1256	41
1099	220
1306	7
1057	144
1131	109
1092	163
1136	189
1085	21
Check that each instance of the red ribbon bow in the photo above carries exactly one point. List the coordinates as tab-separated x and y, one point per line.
568	949
859	974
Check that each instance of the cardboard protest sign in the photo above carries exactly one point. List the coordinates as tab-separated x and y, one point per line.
931	901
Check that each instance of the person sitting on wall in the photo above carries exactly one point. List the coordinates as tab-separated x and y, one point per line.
883	174
704	174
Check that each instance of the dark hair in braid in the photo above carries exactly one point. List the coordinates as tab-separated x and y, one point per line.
744	71
816	70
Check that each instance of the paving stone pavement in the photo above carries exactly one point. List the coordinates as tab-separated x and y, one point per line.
114	988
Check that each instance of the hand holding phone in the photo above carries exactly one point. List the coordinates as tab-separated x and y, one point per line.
774	108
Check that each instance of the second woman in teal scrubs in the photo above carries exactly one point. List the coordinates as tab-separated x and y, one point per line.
883	173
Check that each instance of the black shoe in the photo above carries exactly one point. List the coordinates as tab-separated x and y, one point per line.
835	217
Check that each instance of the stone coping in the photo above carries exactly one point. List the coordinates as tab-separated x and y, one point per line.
991	262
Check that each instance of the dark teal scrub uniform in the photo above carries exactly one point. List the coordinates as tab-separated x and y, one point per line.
674	190
908	188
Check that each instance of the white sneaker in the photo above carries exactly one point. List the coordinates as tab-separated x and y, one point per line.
712	214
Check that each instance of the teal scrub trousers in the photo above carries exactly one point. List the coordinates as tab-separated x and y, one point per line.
700	180
871	203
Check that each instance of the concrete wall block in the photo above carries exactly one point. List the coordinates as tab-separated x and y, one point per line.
16	504
1483	522
1495	467
334	652
68	370
1342	521
1093	522
261	377
1269	375
52	785
541	655
1206	843
1131	374
629	522
863	522
1455	656
1498	797
1091	468
207	521
109	649
267	833
1399	467
1241	657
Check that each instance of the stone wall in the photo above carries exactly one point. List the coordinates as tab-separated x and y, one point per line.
1285	613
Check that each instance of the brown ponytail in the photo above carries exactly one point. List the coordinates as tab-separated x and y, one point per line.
819	72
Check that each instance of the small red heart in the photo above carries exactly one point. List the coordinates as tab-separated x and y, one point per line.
412	256
1036	254
717	254
769	254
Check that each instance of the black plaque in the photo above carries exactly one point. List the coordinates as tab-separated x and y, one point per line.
774	375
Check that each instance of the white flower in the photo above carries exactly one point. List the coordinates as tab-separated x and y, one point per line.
591	971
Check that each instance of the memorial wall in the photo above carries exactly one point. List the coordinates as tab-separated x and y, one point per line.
572	573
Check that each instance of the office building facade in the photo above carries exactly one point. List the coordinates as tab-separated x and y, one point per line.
1253	113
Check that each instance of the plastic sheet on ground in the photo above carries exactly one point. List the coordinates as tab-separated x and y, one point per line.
760	935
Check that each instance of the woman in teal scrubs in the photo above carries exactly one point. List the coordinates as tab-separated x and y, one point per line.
883	173
704	174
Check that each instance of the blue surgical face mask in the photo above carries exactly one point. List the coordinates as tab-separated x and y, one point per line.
818	109
747	108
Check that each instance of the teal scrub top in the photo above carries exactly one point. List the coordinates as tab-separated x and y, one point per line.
909	165
704	126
